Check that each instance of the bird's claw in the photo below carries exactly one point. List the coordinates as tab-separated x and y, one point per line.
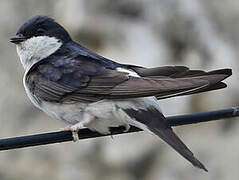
74	132
127	127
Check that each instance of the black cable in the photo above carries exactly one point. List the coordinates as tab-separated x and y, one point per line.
63	136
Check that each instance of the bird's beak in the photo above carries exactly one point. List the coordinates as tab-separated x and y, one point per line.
17	39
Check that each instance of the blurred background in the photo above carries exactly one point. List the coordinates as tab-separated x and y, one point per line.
200	34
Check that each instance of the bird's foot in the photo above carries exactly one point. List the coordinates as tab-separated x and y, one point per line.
74	129
127	127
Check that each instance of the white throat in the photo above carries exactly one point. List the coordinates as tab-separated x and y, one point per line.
37	48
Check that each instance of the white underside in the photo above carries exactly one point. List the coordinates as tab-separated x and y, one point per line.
100	115
96	116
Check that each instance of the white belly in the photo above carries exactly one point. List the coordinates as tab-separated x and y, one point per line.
106	113
70	113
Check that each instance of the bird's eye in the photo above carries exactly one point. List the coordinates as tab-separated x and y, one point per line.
40	31
20	35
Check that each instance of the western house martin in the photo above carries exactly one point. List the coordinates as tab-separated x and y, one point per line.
73	84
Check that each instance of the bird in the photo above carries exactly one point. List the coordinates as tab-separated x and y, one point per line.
72	83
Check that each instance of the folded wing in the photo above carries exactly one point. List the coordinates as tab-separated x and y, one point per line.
87	81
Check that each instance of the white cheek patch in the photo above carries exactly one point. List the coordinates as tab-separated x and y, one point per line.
37	48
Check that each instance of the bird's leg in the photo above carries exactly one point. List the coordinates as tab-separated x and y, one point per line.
80	125
127	127
74	129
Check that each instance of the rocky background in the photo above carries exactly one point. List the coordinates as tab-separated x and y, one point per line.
200	34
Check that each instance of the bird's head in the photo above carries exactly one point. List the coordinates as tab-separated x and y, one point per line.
40	26
38	38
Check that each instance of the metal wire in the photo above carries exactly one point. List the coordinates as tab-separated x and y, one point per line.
63	136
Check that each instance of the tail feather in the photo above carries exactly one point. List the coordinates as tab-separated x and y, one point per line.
173	140
157	123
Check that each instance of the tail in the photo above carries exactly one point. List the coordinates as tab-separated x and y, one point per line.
157	123
173	140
